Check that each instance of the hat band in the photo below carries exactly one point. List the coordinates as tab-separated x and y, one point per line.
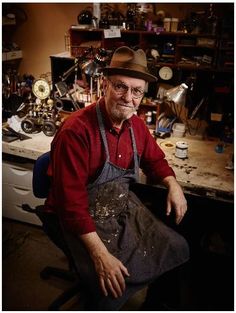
129	66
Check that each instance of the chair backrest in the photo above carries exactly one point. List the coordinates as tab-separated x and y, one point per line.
41	181
50	221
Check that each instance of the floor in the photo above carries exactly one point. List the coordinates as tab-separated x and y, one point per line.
26	251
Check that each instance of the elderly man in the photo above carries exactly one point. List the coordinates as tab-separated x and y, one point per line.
118	245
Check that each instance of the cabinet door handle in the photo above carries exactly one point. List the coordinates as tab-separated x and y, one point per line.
21	191
19	208
19	171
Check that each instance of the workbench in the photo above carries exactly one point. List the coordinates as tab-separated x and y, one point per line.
203	172
30	148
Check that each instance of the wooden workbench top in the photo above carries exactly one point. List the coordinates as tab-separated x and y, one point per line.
202	173
29	148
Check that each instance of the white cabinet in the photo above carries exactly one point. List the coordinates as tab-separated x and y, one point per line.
17	190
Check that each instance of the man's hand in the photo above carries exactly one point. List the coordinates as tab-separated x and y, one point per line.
175	199
111	272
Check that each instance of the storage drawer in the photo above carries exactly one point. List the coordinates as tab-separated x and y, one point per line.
14	211
17	174
19	195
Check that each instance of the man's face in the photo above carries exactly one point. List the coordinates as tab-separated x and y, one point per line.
122	96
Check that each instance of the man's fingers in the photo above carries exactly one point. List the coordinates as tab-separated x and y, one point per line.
180	214
114	287
121	282
168	208
178	219
104	290
124	270
112	277
106	285
114	283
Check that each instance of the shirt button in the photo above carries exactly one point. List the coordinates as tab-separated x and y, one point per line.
119	156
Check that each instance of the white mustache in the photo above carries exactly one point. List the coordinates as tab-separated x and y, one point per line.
127	106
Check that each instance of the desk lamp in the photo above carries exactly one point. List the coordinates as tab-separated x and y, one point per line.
176	96
92	68
63	88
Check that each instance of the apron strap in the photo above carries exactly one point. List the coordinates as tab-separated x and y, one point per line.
136	161
102	130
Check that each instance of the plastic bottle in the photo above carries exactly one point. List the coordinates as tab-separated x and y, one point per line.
167	23
149	118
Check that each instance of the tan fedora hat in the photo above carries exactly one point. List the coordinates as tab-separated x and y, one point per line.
128	62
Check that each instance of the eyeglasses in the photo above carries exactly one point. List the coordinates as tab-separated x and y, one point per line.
121	89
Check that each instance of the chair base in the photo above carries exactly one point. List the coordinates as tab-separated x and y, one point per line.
49	271
53	230
76	289
65	296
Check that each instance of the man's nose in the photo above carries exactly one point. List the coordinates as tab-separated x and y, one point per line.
128	97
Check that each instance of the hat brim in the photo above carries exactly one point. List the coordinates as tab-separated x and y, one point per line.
130	73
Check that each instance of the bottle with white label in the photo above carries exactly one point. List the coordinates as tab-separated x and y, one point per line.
181	149
149	118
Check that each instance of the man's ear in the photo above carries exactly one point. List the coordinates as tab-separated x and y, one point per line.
104	85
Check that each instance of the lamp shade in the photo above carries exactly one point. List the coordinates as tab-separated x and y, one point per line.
177	94
93	66
90	67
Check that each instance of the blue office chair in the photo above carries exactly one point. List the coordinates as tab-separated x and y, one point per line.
52	227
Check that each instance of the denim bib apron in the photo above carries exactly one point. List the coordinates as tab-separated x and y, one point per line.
143	243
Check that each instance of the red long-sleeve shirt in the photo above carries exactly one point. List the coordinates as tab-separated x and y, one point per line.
78	155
